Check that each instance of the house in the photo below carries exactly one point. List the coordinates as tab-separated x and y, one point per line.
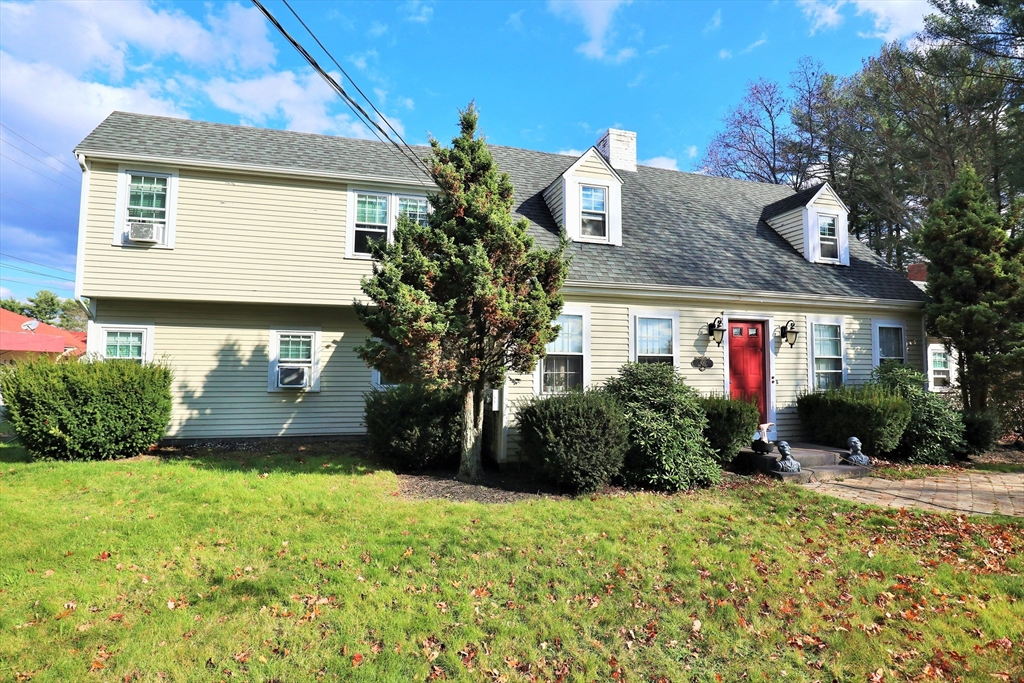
22	337
941	363
235	253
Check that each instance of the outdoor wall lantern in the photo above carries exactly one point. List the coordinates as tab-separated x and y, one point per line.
790	333
716	330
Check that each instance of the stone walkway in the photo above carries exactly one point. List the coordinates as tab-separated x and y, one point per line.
983	493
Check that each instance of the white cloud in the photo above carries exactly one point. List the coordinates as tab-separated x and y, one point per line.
715	22
515	20
418	11
361	60
571	152
894	20
377	29
754	45
725	54
822	14
691	151
637	80
596	17
5	293
407	102
662	162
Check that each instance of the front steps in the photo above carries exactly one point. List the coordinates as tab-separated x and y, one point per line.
817	464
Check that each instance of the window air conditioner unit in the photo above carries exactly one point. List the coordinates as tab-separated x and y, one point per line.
292	377
143	232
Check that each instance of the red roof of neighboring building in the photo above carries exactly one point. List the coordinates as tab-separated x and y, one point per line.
45	338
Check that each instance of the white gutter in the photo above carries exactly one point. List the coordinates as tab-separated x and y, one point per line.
251	168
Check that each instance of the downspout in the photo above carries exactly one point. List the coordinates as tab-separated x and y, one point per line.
83	209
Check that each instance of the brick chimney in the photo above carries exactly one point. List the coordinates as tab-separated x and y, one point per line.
619	148
918	272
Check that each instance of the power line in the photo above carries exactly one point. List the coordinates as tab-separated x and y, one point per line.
36	263
32	157
352	81
35	283
18	201
352	104
66	187
53	156
36	272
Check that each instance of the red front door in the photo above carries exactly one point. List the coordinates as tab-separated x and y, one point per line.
747	364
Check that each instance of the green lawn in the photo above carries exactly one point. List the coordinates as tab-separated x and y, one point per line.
307	566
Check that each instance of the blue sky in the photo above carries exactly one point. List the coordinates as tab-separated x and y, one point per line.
546	75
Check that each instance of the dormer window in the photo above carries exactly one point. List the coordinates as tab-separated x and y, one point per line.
828	238
594	213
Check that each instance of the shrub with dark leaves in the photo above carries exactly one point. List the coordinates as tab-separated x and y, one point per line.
413	427
731	425
578	438
668	449
981	430
874	414
935	433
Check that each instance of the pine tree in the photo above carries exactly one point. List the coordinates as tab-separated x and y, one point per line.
45	306
466	298
976	284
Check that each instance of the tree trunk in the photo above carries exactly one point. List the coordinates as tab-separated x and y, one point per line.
472	432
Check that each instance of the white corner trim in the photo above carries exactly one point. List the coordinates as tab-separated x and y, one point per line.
124	171
812	320
664	313
875	348
83	226
96	337
274	352
582	310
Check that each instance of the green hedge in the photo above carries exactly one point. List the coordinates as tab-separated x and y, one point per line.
935	432
578	438
413	427
731	426
82	410
981	430
668	449
875	415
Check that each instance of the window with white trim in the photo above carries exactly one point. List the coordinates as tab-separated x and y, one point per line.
145	208
891	344
413	208
294	360
562	368
654	343
121	342
828	355
828	238
939	369
371	221
593	212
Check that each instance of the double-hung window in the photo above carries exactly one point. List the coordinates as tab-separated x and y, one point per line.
145	207
294	360
413	208
828	238
940	370
594	212
371	220
828	355
654	340
563	364
890	344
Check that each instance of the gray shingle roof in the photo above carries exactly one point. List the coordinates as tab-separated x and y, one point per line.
678	229
795	200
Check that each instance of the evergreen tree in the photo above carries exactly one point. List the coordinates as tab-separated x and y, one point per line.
72	316
45	306
9	303
976	284
466	298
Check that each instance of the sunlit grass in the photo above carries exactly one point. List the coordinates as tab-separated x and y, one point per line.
306	565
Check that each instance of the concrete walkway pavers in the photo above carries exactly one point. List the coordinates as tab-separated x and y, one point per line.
982	493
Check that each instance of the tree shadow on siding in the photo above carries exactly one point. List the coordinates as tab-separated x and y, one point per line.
232	405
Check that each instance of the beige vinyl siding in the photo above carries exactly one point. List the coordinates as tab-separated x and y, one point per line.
791	226
609	349
219	356
237	238
553	197
828	203
593	166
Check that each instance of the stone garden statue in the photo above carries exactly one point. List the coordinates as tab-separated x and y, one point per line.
786	463
856	457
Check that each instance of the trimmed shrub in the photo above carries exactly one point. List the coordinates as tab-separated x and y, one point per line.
413	427
935	433
981	430
875	415
1008	402
579	438
82	410
731	425
668	449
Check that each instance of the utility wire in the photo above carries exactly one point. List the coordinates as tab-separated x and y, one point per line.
66	187
36	272
34	158
354	84
36	263
352	104
18	201
36	283
54	156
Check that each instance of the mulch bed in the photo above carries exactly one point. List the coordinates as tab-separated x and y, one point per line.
508	486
